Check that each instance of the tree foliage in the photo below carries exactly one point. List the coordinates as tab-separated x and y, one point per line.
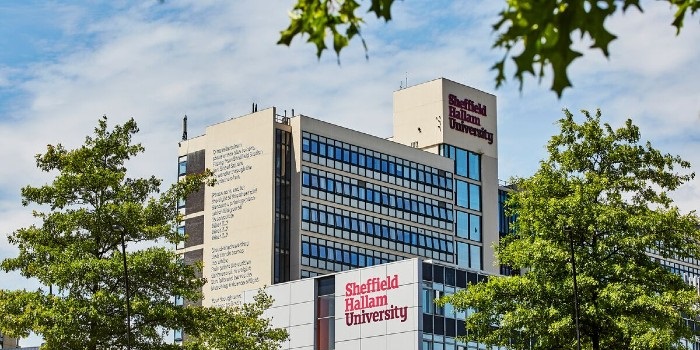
539	31
76	252
242	327
604	193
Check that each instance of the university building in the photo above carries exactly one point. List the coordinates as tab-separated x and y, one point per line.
353	234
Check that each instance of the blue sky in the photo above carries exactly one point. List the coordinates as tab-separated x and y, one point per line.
64	64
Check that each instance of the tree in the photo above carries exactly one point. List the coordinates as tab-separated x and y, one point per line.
542	30
95	298
603	195
237	328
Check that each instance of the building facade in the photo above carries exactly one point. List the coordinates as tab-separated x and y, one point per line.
298	197
387	306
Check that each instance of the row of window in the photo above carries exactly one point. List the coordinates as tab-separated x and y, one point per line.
449	277
682	270
341	256
467	163
381	163
377	195
375	231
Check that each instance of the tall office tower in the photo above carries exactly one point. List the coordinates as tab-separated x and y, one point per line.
298	197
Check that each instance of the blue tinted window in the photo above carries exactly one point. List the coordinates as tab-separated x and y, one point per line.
462	194
346	156
305	145
462	254
338	255
330	185
461	162
305	248
314	250
314	147
475	257
474	166
361	159
322	149
474	197
306	179
353	158
338	221
331	151
182	168
475	227
462	225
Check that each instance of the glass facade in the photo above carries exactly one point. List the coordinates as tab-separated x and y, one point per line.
441	325
325	313
375	231
375	165
283	205
335	256
375	198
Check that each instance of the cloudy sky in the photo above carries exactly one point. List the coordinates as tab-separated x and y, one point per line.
63	64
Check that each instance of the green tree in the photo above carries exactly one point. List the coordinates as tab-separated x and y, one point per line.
237	328
541	31
603	195
77	252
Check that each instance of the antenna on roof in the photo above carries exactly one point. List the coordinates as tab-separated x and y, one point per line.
184	128
404	83
255	108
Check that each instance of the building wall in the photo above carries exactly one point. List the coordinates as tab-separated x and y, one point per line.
393	324
237	211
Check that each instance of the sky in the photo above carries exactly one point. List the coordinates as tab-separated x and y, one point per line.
64	64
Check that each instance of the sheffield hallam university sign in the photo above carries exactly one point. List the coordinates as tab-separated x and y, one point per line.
464	112
363	299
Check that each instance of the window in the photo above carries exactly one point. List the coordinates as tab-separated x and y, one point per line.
474	166
469	255
468	226
475	197
468	195
182	166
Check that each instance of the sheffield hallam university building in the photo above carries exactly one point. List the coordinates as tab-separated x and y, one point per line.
353	235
